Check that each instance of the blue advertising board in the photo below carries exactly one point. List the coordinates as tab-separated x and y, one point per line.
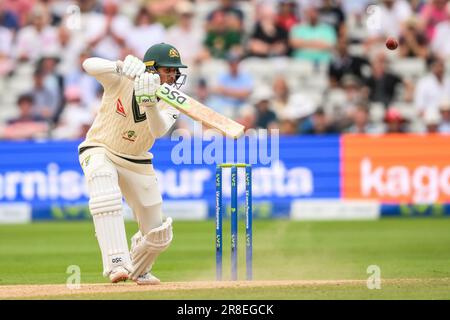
48	178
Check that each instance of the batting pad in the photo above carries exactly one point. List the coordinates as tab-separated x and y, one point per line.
106	208
147	248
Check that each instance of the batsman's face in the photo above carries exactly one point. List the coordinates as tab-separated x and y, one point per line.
168	75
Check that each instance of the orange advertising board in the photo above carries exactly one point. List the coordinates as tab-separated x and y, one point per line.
396	168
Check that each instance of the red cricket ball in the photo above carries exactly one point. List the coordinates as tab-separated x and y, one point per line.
391	43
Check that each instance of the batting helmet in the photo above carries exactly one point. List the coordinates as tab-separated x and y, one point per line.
165	55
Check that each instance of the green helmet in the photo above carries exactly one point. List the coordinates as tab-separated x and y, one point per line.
163	55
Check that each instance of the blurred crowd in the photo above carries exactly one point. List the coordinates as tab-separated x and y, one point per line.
300	66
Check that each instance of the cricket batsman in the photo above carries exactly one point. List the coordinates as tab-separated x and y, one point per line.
116	161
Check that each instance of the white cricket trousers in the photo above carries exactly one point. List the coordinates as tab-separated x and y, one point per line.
111	178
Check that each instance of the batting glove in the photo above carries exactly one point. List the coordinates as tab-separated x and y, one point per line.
132	67
145	87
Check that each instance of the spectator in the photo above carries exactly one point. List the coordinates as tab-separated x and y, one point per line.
392	14
357	12
318	124
202	92
432	88
417	5
163	11
32	40
71	45
340	102
26	125
20	9
287	15
287	105
361	121
106	33
444	127
6	61
312	41
224	31
432	119
288	127
145	33
88	5
25	103
343	63
74	117
233	88
261	100
281	97
45	101
53	81
189	40
84	82
268	39
227	8
355	8
353	89
412	42
440	45
85	26
381	83
247	117
331	13
55	10
48	65
394	121
187	36
8	18
433	12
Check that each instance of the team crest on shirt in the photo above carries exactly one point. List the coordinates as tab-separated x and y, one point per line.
173	53
120	109
129	135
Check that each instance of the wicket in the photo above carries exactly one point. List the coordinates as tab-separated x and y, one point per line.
234	220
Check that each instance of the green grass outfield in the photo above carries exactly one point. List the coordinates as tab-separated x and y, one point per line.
413	255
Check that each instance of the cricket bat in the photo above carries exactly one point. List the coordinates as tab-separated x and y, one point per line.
198	111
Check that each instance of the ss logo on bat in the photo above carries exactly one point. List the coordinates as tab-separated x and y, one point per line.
173	95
